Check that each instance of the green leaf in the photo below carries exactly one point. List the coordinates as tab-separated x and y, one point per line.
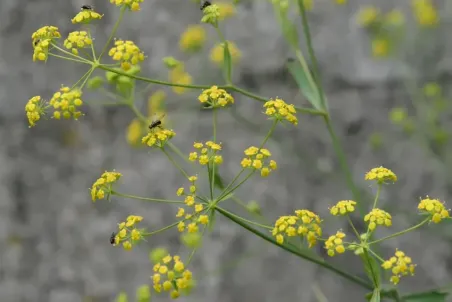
289	30
227	62
310	93
212	220
433	296
218	180
372	268
375	296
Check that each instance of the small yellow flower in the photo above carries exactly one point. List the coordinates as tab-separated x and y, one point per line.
171	280
180	212
335	244
380	47
127	234
193	178
35	108
86	16
280	110
66	103
133	5
211	15
104	184
381	175
44	33
193	38
127	53
432	89
189	200
155	102
425	13
198	145
434	208
378	217
217	53
394	18
134	132
158	137
178	75
203	219
400	265
256	158
368	15
77	40
215	97
343	207
227	10
180	191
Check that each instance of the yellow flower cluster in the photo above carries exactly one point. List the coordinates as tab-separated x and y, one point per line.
368	15
158	137
193	38
104	185
171	275
128	234
304	223
133	5
86	16
77	39
378	217
227	10
400	265
380	47
217	53
34	109
343	207
215	97
280	110
208	153
66	103
425	13
190	200
135	131
435	208
381	175
41	40
211	15
255	158
334	244
127	53
394	18
178	75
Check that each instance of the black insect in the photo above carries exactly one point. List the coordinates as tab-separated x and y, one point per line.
205	4
87	7
113	238
157	123
35	43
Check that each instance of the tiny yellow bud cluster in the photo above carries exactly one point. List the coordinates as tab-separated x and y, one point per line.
66	103
178	75
304	223
133	5
256	159
425	13
208	153
211	15
280	110
434	208
368	15
127	53
193	218
35	108
158	137
77	39
343	207
86	16
400	265
41	40
334	244
217	53
193	38
104	185
171	275
227	10
378	217
215	97
128	234
381	175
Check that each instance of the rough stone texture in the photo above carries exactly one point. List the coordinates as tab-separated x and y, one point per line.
54	240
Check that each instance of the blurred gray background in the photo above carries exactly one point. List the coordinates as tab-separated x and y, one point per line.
54	242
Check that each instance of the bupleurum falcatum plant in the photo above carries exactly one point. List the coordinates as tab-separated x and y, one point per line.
196	210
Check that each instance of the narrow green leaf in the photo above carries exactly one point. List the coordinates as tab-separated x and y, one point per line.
372	268
433	296
227	62
290	31
310	93
375	296
212	220
218	180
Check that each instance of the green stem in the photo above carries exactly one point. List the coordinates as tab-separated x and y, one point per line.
162	229
72	55
236	187
178	152
92	44
175	163
113	32
297	253
230	184
270	132
377	196
194	249
246	220
353	226
145	198
86	78
87	74
67	58
402	232
376	255
212	169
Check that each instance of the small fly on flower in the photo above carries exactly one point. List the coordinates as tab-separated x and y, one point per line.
86	7
113	238
35	43
157	123
205	4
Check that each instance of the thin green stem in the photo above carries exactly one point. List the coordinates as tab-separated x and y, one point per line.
83	78
402	232
92	44
67	58
212	164
190	258
113	32
376	255
145	198
270	132
178	152
298	253
162	229
175	163
236	187
353	226
230	184
72	55
246	220
86	78
377	196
